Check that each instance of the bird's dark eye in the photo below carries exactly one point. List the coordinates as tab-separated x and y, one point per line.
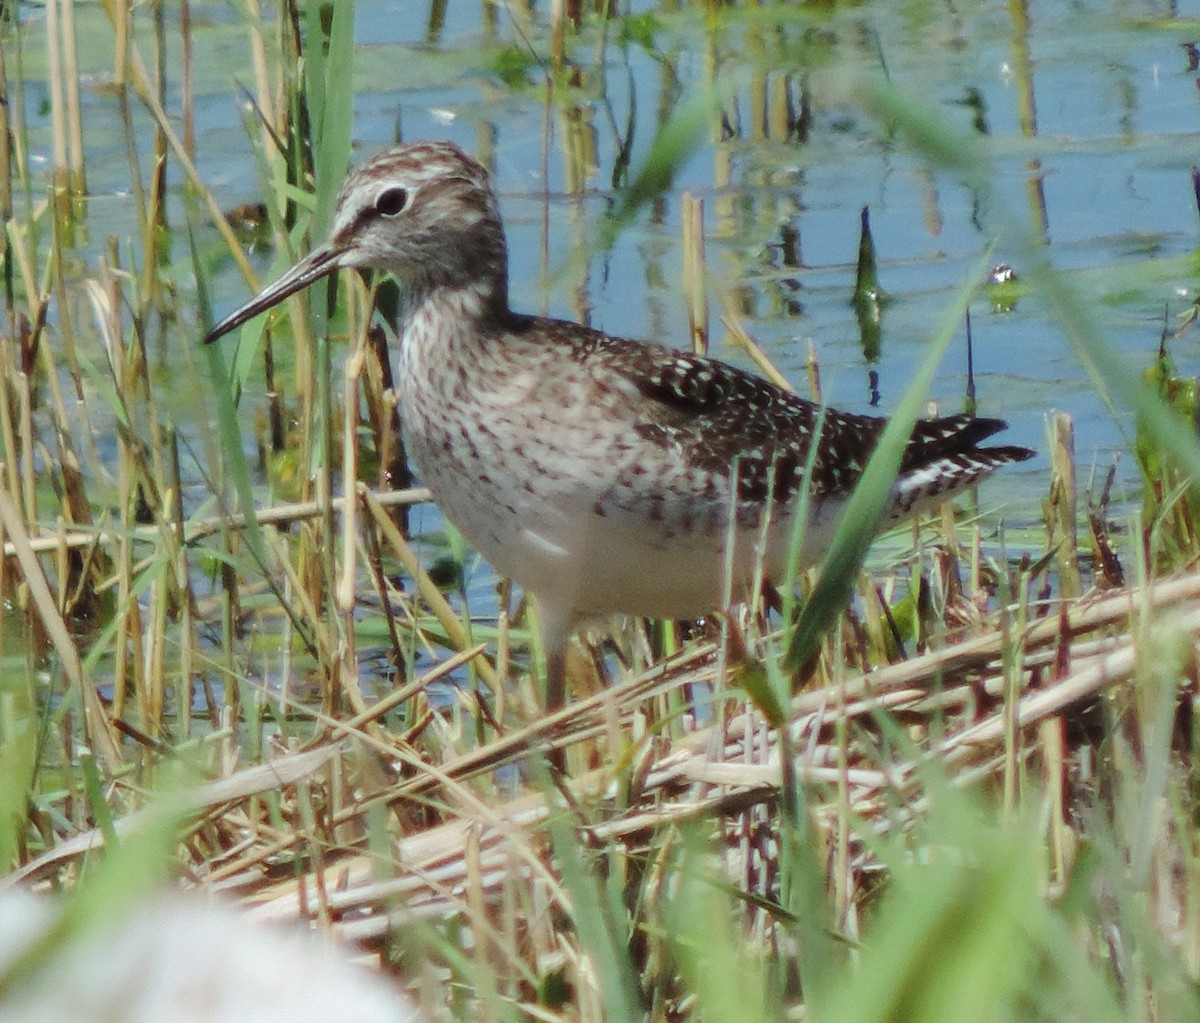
391	201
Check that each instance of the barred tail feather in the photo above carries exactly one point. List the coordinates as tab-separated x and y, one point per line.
931	482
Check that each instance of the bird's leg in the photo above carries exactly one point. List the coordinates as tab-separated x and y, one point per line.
555	627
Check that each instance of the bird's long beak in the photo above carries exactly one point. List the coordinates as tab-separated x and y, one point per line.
317	264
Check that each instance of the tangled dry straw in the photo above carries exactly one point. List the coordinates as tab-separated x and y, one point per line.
459	848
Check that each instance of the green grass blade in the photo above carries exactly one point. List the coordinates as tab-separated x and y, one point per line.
596	919
224	390
330	92
953	938
856	530
714	959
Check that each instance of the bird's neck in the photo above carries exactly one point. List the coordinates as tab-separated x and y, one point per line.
449	324
462	305
466	279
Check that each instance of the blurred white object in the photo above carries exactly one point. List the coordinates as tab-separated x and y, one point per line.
182	959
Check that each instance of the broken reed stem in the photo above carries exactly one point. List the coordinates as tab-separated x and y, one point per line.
54	86
346	584
1064	502
124	568
78	173
694	292
813	367
187	85
344	588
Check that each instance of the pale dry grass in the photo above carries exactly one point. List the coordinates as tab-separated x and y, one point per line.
373	840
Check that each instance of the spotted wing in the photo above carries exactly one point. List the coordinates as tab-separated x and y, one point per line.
721	416
717	416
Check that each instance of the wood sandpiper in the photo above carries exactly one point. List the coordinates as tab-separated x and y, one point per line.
603	475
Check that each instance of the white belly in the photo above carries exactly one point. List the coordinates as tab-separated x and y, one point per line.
554	542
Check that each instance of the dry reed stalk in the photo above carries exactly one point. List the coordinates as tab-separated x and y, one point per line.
694	268
486	947
406	693
187	84
58	127
119	14
1014	676
502	665
153	226
426	587
743	340
757	94
174	527
389	601
1055	767
136	71
426	778
345	585
139	639
8	126
282	117
812	367
27	490
123	563
320	637
264	95
1063	502
206	798
11	467
276	515
558	32
971	688
781	111
78	179
21	251
15	114
436	872
383	410
98	730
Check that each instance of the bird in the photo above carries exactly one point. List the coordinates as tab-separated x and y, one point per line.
603	475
